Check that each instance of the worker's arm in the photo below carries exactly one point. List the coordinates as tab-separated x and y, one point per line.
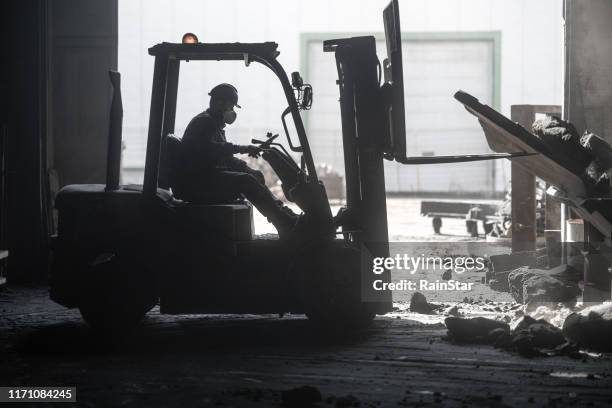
201	144
203	131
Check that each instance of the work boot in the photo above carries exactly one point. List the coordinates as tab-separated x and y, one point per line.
284	220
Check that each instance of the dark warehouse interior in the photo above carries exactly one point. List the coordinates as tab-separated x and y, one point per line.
209	263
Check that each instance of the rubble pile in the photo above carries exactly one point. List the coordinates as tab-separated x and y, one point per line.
591	331
530	337
589	156
564	142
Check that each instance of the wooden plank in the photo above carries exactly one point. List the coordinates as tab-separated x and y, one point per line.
523	192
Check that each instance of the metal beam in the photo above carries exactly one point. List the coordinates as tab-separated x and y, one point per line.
156	119
169	119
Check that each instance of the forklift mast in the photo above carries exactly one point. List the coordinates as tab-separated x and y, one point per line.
363	130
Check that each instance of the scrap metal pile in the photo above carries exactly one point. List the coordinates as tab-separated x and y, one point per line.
588	156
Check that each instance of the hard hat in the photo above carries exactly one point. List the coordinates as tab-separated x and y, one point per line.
226	92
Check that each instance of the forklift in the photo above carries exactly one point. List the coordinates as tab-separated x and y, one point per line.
122	249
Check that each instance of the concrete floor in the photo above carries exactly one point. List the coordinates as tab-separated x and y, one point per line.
242	361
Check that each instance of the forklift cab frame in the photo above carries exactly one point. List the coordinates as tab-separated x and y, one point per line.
164	98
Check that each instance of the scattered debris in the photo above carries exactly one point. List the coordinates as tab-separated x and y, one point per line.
475	330
530	338
546	335
523	344
592	332
452	311
418	304
304	396
541	333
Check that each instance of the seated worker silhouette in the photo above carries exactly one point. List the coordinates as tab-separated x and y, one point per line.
209	172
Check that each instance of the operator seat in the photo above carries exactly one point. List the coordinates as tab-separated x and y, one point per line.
229	216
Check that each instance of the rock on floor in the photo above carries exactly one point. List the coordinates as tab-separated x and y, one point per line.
418	304
475	330
592	331
541	333
540	286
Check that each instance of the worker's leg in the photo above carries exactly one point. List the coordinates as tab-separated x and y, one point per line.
240	166
261	197
257	174
254	191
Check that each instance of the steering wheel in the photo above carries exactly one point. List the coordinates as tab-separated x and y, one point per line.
265	144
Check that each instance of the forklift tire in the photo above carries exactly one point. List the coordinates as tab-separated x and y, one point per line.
330	288
114	297
436	222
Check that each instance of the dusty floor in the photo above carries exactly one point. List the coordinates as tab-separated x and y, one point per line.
242	361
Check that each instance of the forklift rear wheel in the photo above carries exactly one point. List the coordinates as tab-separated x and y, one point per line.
330	286
115	297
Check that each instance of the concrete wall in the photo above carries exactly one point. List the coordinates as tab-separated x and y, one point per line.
588	77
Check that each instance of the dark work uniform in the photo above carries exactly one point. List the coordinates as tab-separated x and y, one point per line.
210	173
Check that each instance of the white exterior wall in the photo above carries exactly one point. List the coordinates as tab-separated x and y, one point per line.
531	52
